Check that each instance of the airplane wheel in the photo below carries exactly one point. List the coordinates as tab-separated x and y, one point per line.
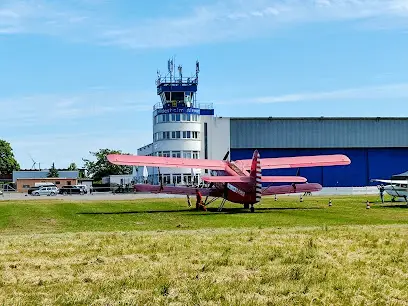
252	209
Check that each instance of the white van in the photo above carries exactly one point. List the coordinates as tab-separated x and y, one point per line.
44	184
84	188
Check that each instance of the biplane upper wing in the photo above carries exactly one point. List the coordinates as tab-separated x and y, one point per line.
169	162
297	162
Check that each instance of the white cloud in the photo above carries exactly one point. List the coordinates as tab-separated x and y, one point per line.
63	129
214	22
384	92
72	147
50	109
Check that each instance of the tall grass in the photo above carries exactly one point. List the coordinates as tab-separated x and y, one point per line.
324	265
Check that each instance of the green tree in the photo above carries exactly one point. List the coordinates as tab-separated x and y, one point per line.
101	167
7	161
53	172
72	166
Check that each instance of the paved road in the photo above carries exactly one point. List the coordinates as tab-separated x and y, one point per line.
130	196
87	197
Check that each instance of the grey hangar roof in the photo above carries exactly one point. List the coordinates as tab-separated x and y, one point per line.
319	132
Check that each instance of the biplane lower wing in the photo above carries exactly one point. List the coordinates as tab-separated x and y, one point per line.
176	190
283	179
299	188
227	179
247	179
169	162
297	162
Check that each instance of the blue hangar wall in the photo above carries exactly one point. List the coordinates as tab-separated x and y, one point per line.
377	147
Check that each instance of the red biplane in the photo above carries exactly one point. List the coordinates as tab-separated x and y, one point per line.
237	181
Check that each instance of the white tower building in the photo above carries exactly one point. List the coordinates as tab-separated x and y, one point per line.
180	127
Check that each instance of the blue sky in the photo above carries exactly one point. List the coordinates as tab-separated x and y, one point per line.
79	75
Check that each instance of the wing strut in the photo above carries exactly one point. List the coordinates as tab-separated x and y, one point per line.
160	179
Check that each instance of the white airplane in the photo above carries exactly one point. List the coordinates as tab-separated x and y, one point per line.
395	188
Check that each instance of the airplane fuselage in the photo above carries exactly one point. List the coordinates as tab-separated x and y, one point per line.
397	190
242	193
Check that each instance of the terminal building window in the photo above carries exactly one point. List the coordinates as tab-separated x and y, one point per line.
176	118
187	134
178	154
187	154
176	135
176	179
166	179
187	179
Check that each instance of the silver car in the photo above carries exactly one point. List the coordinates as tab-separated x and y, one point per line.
46	190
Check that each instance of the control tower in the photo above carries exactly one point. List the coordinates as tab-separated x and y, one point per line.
178	125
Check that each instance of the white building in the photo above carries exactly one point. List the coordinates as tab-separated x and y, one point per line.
183	128
118	179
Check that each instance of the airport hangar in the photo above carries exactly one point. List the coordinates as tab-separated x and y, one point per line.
182	127
377	147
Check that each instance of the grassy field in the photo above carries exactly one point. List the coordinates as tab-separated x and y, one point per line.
59	216
159	252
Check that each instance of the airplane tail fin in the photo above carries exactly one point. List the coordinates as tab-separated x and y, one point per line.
256	175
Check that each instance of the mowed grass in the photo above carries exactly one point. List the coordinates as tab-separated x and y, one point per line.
51	216
158	252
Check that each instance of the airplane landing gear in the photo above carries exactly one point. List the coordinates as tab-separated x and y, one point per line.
252	208
246	206
222	205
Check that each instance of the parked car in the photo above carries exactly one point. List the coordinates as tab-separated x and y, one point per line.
46	190
39	185
69	189
83	187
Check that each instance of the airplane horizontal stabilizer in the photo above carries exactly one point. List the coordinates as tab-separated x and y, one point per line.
301	188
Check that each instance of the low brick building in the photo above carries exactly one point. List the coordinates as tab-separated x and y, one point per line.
23	184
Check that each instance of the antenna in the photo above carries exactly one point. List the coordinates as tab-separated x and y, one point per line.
180	70
197	68
170	68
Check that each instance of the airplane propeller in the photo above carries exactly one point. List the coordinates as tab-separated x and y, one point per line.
226	155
